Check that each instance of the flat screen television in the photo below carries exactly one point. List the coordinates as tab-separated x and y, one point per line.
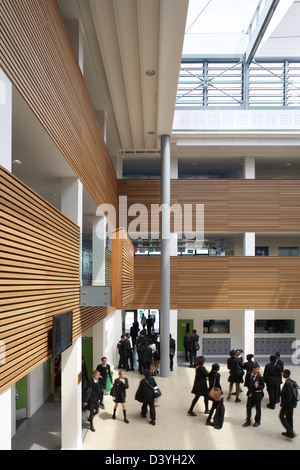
62	332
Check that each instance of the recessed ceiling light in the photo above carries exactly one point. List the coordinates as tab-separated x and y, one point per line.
288	164
17	162
150	72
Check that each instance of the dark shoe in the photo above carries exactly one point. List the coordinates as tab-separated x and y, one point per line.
209	423
152	422
92	428
271	407
126	420
246	424
237	400
255	425
143	416
101	406
191	413
289	435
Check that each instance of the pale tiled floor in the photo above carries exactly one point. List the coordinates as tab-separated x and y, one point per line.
175	430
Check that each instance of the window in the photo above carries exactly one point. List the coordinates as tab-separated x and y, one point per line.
288	251
275	326
216	326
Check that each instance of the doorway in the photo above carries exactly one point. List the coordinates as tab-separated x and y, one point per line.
183	327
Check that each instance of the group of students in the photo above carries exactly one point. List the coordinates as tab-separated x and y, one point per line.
255	383
94	391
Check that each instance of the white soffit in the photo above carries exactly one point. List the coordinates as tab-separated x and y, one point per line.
282	38
172	28
135	37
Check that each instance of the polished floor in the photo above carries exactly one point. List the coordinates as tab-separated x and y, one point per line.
174	429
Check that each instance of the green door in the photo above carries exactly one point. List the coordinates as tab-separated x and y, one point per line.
182	327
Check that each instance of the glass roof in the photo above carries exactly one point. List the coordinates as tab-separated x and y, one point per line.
218	27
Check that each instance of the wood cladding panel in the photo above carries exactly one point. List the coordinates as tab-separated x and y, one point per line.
220	283
38	57
122	289
261	206
39	278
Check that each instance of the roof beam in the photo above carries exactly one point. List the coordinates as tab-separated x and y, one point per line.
262	21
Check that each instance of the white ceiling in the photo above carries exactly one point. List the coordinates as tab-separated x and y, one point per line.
122	40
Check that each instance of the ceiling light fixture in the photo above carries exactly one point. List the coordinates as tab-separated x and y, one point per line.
17	162
150	72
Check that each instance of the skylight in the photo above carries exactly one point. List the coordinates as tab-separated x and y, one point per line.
219	27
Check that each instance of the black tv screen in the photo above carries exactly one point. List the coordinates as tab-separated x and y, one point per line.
62	332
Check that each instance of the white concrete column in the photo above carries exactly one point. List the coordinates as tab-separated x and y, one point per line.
99	243
71	388
71	397
7	401
249	244
248	333
72	205
249	168
98	343
5	121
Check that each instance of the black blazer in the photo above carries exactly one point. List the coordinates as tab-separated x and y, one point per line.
145	393
250	383
272	374
287	398
92	392
105	372
200	383
118	390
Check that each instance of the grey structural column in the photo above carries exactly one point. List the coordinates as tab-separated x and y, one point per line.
165	257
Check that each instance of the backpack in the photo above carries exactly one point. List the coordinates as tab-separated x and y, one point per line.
295	390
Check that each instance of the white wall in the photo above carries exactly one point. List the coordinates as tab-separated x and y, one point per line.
38	387
236	318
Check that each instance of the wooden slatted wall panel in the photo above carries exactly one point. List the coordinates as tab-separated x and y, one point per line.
231	206
220	283
122	269
37	55
39	276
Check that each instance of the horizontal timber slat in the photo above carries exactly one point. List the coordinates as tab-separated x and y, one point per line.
220	283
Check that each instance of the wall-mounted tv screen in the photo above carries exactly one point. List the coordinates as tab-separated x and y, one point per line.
62	332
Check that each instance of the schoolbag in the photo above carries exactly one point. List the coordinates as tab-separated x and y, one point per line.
295	390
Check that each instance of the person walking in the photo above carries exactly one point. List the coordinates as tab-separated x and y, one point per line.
105	373
288	403
255	383
272	379
118	392
194	347
236	374
217	409
172	352
200	385
186	345
92	396
145	395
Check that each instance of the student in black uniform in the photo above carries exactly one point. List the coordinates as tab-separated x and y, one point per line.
288	403
91	397
172	351
105	372
272	378
145	395
118	392
255	383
